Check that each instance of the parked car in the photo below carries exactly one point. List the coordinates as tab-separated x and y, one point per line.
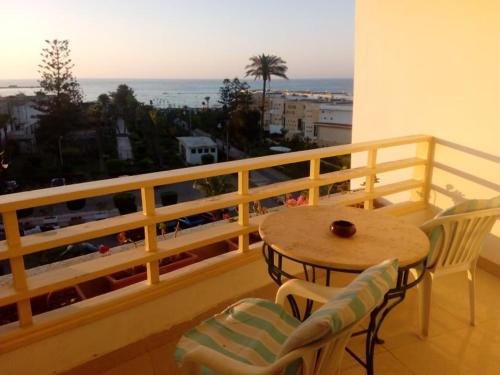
212	216
11	186
58	181
184	223
191	221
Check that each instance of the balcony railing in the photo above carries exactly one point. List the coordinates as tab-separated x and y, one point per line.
24	287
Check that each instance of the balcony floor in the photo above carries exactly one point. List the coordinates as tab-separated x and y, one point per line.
453	346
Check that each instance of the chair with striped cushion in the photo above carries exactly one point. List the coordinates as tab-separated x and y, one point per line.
255	336
456	236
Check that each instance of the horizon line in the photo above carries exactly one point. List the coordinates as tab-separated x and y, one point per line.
182	79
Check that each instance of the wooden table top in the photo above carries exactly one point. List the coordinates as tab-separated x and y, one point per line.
303	233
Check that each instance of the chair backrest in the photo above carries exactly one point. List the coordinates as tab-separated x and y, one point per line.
457	234
324	335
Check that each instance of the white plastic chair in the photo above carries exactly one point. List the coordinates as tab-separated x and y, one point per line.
313	347
456	242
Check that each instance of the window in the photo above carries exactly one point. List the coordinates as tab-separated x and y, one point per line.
212	149
315	130
200	151
193	151
206	150
300	126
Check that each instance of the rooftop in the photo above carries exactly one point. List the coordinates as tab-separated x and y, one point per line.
197	141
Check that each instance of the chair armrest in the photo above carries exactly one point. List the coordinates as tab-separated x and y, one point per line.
221	364
305	289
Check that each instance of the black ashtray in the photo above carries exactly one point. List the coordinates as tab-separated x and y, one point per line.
343	228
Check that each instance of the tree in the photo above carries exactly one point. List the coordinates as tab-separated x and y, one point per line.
100	120
214	185
234	94
55	70
263	67
4	122
207	101
61	103
124	103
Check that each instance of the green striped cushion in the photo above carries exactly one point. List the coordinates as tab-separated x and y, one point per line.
435	237
251	331
257	331
353	303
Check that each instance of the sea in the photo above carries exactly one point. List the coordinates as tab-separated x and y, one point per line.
165	93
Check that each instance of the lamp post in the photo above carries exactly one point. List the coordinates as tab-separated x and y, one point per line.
59	141
226	126
187	110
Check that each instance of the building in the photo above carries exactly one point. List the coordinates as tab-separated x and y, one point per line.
277	114
325	118
23	120
193	148
294	117
334	126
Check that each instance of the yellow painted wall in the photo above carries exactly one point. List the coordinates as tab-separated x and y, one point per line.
433	67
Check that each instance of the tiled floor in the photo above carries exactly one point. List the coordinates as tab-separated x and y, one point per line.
453	346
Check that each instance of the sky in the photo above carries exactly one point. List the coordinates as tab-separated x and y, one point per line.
179	38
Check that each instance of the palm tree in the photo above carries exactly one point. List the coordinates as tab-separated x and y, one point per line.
263	67
207	100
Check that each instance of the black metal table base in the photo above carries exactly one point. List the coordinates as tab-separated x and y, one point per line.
393	297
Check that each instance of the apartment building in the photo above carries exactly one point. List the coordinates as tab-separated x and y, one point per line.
334	126
23	120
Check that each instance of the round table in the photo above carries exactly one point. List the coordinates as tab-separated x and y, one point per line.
302	235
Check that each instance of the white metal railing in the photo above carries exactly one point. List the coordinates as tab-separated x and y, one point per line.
15	247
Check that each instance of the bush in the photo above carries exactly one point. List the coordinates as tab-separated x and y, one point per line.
76	204
116	167
168	198
144	165
125	202
207	159
25	212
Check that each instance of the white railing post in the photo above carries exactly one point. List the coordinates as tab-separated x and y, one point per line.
425	150
314	172
370	179
243	211
13	238
150	240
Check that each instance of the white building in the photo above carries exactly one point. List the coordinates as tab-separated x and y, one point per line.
334	126
23	123
277	114
193	148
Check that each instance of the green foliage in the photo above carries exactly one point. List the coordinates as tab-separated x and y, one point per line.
214	185
244	129
144	165
56	73
60	103
125	202
168	198
207	159
234	94
116	167
264	67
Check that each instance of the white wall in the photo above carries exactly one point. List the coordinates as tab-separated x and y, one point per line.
331	135
196	157
433	67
